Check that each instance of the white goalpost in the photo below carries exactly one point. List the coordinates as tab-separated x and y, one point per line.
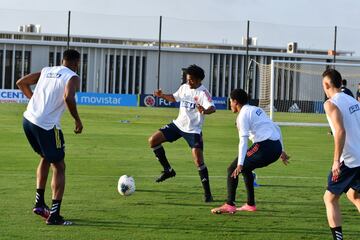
291	91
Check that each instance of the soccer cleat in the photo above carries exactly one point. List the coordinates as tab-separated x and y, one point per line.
226	208
42	211
247	208
165	175
208	198
57	220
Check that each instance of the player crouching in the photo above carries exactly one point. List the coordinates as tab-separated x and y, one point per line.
252	123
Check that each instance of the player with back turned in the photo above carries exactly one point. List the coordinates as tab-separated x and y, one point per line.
343	114
55	90
195	102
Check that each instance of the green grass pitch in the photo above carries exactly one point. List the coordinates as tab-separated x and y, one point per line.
289	200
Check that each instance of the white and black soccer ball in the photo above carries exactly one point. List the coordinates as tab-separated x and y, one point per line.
126	185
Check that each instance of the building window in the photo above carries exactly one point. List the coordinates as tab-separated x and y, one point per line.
8	69
84	73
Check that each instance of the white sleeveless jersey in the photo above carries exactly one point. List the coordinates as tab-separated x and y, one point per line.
190	120
350	111
252	122
47	104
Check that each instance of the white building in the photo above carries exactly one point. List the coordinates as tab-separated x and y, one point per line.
114	65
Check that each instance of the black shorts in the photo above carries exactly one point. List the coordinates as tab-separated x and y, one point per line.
49	144
173	133
262	154
349	178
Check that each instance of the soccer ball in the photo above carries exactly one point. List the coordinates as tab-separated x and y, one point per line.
126	185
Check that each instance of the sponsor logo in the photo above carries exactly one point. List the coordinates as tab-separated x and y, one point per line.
258	112
187	105
294	108
354	108
149	101
53	75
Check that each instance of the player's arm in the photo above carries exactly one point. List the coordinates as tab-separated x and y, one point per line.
208	106
69	96
209	110
24	83
244	124
284	157
339	136
167	97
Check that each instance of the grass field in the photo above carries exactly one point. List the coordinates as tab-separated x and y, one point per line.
289	199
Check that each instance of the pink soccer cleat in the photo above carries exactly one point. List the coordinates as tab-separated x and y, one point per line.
226	208
247	208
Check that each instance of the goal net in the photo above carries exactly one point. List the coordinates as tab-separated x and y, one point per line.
291	91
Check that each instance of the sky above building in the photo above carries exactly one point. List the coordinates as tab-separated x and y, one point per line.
273	22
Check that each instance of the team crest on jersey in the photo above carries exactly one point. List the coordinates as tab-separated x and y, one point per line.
53	75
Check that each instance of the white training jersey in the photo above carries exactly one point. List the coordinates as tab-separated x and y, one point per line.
47	104
190	120
252	122
350	111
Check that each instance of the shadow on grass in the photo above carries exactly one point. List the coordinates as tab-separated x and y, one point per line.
215	228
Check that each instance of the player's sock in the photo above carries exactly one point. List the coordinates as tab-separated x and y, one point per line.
337	233
55	208
232	184
160	155
204	178
39	199
249	184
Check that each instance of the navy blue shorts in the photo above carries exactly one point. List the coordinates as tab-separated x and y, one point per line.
349	178
173	133
262	154
49	144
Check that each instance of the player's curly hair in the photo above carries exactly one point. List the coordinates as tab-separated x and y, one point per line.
195	71
71	55
334	76
240	96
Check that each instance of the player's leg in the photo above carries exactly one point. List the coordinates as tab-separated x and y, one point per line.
32	134
198	157
53	145
333	214
258	155
354	197
232	183
168	133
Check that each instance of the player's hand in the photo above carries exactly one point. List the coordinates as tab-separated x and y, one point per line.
237	171
158	93
285	158
200	108
78	127
335	171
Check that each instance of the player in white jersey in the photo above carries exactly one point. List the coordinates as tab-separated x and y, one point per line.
55	90
343	114
195	102
252	123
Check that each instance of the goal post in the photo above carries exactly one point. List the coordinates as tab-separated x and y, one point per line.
291	91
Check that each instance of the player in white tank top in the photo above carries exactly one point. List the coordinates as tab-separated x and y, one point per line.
343	114
55	89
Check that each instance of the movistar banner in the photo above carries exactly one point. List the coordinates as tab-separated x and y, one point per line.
104	99
220	102
12	96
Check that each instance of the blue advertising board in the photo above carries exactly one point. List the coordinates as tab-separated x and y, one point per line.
220	102
148	100
105	99
12	96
